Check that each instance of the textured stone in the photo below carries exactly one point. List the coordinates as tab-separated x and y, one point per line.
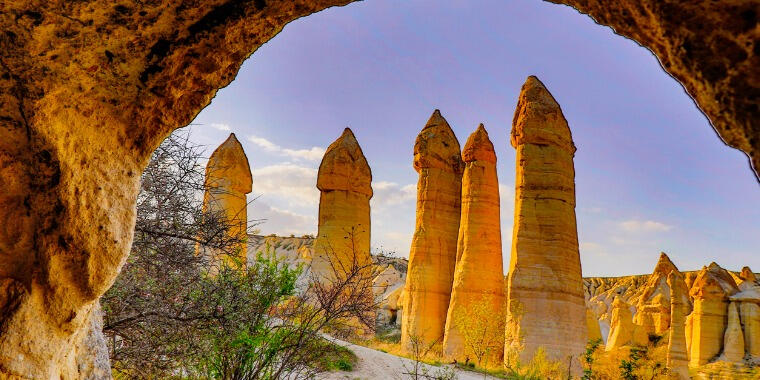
749	313
677	357
89	89
228	180
345	184
479	275
710	47
545	286
653	307
733	341
621	325
592	326
710	291
432	257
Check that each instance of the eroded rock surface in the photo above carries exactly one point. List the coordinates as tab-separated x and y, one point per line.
710	291
228	180
677	356
345	184
479	277
545	289
432	257
711	47
87	91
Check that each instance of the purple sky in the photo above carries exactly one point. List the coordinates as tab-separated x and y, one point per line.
651	174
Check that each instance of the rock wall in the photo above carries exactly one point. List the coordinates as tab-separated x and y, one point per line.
545	289
677	356
477	295
432	257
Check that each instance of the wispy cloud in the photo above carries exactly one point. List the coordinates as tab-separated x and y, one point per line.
221	126
390	193
312	154
644	226
292	184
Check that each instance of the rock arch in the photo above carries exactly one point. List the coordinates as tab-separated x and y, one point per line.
89	89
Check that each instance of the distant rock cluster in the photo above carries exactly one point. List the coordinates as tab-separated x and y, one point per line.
714	311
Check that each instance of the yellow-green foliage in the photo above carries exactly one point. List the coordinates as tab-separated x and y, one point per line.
482	330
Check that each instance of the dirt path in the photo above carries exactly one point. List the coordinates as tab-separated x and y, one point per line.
375	364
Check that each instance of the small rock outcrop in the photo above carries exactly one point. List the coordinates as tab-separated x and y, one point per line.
345	184
733	341
545	289
621	325
478	286
677	357
432	257
228	180
653	308
710	291
592	326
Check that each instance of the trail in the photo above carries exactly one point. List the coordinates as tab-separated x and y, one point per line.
373	364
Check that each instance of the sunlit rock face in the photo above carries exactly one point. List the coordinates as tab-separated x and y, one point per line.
228	180
545	289
653	306
87	91
621	325
710	291
733	339
592	326
432	257
479	276
345	184
709	46
677	357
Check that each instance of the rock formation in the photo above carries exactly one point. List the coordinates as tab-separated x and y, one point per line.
592	326
479	275
653	308
345	184
710	291
228	180
709	47
89	90
545	291
432	256
621	325
750	316
677	358
733	341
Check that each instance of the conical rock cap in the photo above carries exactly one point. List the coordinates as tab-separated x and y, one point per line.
479	147
344	167
437	146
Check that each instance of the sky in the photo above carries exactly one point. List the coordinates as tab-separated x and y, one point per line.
651	173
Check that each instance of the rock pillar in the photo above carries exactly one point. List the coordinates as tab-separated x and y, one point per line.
710	291
733	339
750	317
592	326
677	359
621	325
228	180
432	256
545	293
345	184
477	295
